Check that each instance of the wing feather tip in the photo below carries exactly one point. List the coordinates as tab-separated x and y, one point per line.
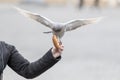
22	11
95	20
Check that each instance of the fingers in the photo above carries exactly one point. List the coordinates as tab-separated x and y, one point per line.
57	51
61	47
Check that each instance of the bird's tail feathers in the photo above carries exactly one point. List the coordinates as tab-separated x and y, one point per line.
47	32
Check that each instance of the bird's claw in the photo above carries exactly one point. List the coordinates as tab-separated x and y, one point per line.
60	43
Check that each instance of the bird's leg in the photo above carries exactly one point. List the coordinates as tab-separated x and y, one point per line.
60	42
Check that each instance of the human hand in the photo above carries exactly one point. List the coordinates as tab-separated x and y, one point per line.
56	52
58	47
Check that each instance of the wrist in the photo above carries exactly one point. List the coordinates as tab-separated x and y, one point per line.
55	54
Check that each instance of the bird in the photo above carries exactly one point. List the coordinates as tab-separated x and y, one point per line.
58	28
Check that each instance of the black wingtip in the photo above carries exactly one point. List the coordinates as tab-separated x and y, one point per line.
47	32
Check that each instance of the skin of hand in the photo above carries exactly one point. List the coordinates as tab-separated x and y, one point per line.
57	52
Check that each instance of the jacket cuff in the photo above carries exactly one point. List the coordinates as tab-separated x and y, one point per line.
50	57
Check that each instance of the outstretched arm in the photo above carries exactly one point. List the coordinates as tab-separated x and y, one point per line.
30	70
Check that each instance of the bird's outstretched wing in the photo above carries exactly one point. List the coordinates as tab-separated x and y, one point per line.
36	17
78	23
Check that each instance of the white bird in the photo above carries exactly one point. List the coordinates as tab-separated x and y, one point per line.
58	29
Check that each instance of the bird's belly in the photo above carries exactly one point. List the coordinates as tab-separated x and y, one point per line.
59	34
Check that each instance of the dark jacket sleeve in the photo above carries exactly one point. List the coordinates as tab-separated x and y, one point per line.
30	70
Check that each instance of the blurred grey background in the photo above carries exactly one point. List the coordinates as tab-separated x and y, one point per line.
91	52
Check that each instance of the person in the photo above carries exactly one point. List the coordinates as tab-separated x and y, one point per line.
11	57
96	3
81	3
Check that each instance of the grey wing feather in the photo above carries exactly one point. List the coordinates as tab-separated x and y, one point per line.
36	17
72	25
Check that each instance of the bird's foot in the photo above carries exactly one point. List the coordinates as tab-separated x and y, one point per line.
60	42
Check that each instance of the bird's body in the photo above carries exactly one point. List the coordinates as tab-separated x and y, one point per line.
58	29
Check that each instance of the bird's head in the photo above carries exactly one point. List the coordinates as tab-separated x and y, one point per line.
57	27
